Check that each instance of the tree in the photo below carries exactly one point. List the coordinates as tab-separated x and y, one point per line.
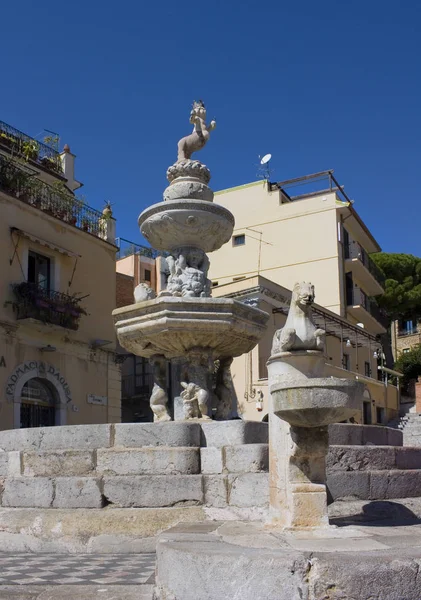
409	363
402	297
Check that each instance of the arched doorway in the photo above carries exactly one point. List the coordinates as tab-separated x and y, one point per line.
38	403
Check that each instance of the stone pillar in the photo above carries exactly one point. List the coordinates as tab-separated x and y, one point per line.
297	467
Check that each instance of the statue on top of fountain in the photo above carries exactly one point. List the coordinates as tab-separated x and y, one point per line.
300	332
200	135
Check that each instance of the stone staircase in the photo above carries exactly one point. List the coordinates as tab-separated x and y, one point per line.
410	425
113	488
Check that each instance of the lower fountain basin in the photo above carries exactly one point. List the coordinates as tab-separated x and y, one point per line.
317	401
172	326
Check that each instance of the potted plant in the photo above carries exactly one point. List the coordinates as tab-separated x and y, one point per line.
30	149
86	226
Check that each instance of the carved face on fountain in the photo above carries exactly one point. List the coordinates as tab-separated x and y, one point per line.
303	294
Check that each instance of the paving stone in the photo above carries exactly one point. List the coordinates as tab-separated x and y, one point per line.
67	437
231	433
248	489
148	461
247	458
137	435
153	490
58	462
360	458
395	484
349	484
77	492
34	492
211	460
215	490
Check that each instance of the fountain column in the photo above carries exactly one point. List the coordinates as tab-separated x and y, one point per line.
303	403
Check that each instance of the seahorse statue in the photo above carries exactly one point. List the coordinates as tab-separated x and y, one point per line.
201	132
299	332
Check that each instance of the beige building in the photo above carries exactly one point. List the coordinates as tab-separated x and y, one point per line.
315	236
57	266
406	334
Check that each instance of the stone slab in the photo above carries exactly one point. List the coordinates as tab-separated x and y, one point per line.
71	592
77	492
153	491
248	489
360	458
211	460
67	437
58	463
232	433
157	460
221	564
395	484
247	458
31	492
347	434
137	435
105	531
348	484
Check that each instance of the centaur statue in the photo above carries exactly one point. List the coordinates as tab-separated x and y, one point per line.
201	132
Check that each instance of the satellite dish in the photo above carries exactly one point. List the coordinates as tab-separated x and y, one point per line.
265	159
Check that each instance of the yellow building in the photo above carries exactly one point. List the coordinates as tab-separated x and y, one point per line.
316	236
57	283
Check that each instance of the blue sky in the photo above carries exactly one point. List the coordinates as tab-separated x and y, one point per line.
320	85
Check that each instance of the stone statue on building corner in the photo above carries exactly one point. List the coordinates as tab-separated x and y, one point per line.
200	135
299	332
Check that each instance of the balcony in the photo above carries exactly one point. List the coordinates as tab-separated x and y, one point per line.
404	332
366	311
20	182
364	268
22	145
47	306
127	248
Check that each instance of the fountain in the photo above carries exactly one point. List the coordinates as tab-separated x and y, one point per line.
184	325
308	402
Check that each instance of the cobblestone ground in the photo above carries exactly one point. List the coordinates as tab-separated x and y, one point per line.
74	577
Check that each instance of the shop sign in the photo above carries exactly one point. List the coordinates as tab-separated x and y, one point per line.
38	369
101	400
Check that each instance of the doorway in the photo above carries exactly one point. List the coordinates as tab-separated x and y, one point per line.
38	403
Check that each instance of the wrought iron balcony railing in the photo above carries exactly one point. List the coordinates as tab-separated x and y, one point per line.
55	200
355	250
356	297
409	331
23	145
34	302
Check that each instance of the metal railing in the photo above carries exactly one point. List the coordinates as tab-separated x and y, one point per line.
48	306
411	331
355	250
128	248
137	385
28	147
356	297
54	200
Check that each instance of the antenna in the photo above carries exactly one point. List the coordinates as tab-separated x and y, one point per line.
264	170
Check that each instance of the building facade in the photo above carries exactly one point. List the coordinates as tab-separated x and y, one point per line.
57	282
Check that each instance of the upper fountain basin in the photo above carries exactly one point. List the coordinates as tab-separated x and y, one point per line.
172	326
198	223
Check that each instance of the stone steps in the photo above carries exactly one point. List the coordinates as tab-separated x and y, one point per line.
410	426
374	485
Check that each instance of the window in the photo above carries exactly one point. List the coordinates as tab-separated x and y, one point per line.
239	240
346	362
215	283
239	278
39	270
147	275
405	350
367	369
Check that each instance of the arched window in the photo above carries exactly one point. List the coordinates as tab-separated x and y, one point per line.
38	403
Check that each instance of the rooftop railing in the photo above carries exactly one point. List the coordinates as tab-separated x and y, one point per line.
29	148
128	248
55	200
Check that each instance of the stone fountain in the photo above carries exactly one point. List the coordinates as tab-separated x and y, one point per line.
308	402
199	335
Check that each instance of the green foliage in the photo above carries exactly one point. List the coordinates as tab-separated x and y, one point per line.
402	297
409	363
